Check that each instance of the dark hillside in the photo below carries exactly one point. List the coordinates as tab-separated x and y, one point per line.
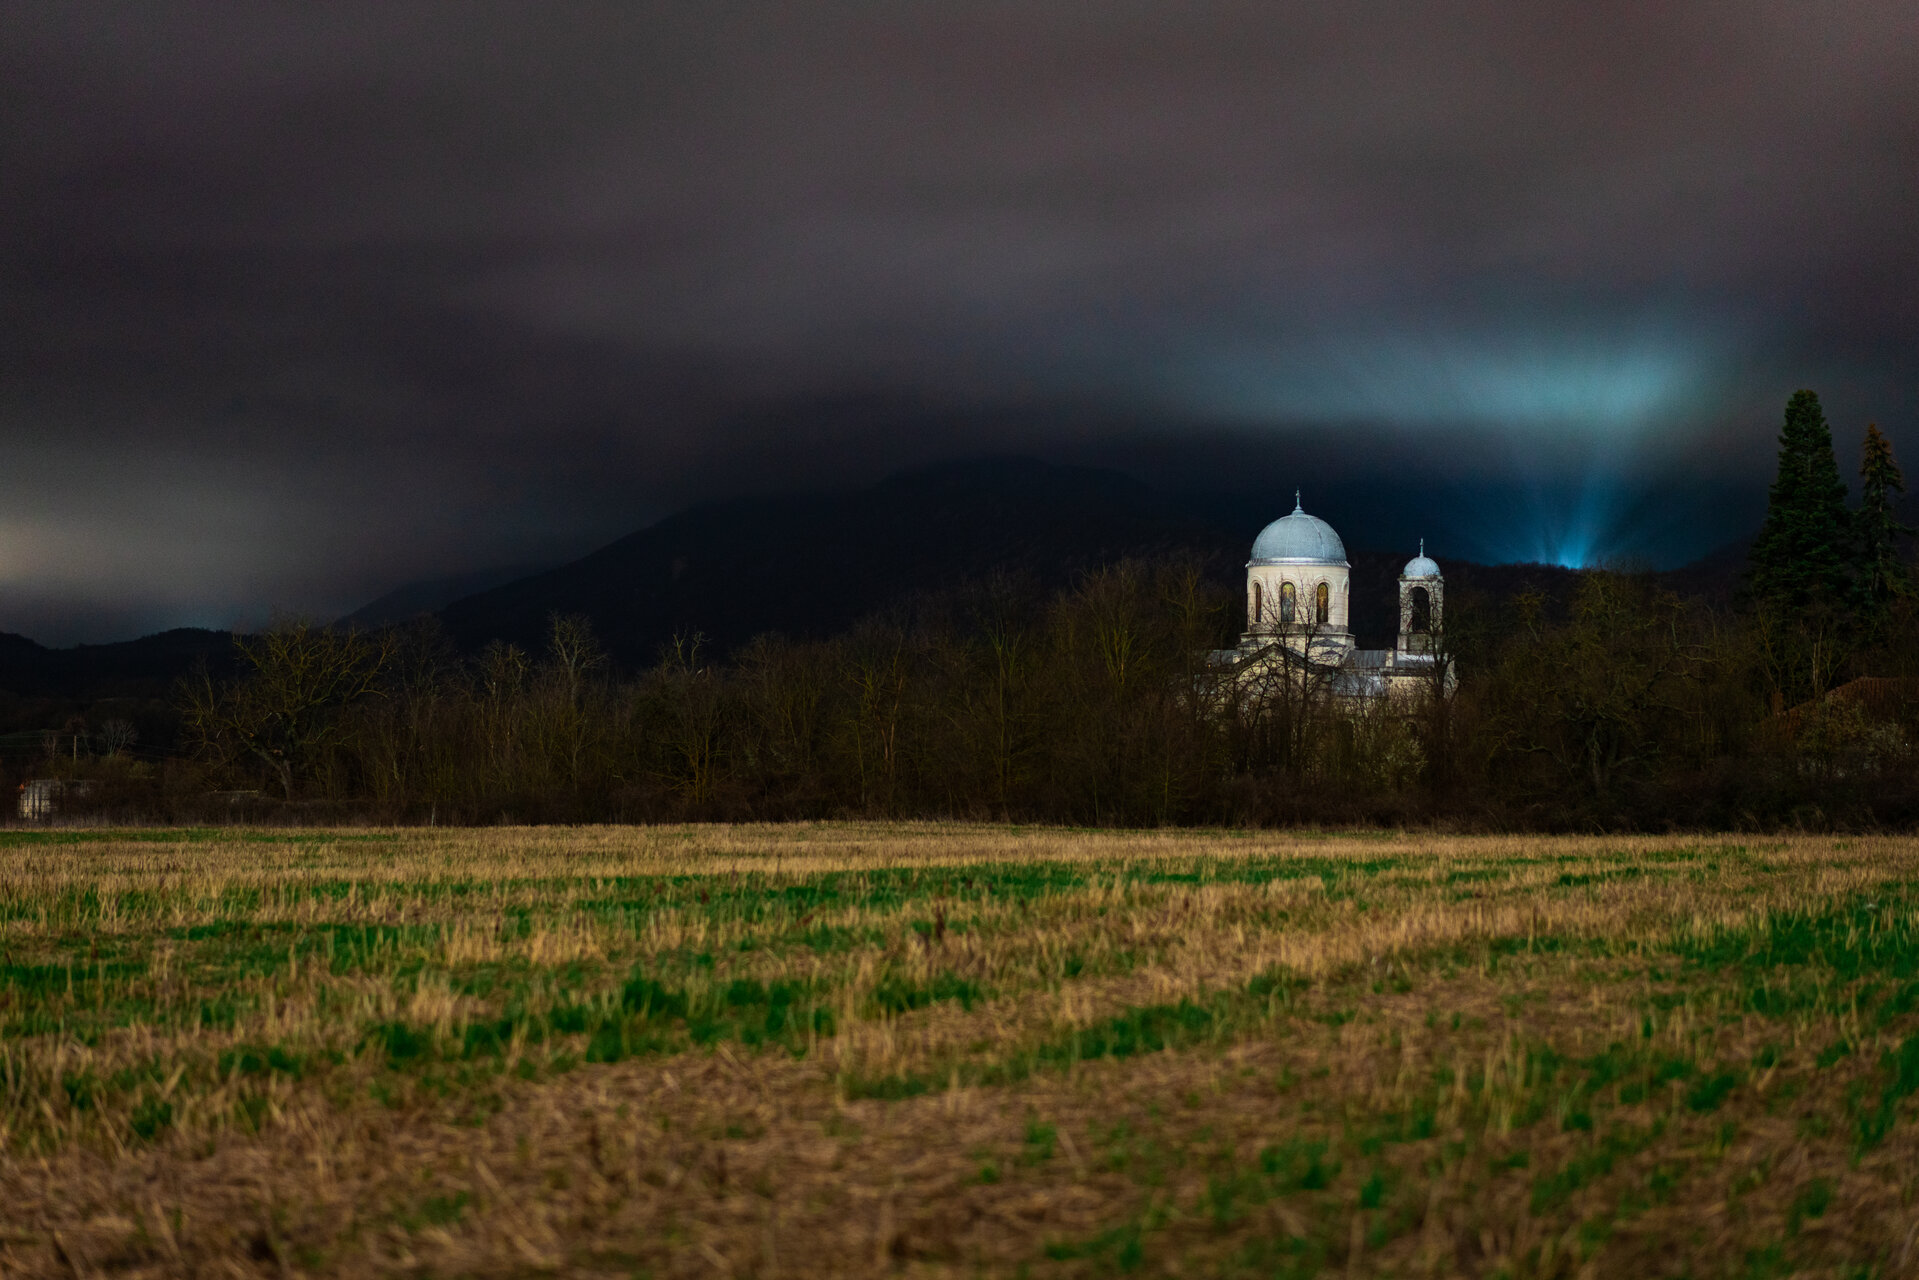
141	668
811	565
430	595
133	680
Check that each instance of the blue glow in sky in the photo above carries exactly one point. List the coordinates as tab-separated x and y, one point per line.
1572	424
1546	386
1576	529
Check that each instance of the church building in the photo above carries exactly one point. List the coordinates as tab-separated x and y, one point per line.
1298	601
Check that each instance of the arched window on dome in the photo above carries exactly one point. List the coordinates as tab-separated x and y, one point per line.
1259	608
1322	604
1421	622
1286	598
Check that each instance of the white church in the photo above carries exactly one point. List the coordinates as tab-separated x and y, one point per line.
1298	600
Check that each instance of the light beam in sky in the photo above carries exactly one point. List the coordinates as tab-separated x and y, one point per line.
1578	418
1540	379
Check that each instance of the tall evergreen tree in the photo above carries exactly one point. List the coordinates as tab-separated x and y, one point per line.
1800	561
1882	570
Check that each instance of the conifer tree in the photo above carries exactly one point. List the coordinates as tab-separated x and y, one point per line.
1882	571
1800	561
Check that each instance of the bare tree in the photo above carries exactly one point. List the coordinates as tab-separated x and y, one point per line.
1285	697
878	666
691	718
1605	693
1007	647
573	656
117	735
1433	704
284	710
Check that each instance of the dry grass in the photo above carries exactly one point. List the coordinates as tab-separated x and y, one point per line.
939	1049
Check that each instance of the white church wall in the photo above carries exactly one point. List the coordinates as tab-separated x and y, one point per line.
1266	581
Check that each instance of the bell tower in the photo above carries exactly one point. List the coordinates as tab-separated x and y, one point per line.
1422	603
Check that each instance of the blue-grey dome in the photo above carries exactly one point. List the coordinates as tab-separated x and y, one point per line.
1298	537
1419	566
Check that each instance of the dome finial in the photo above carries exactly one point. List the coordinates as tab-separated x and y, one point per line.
1422	546
1296	506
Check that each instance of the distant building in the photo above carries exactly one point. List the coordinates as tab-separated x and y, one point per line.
1871	719
42	798
1299	600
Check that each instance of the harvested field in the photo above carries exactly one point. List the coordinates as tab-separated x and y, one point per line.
941	1049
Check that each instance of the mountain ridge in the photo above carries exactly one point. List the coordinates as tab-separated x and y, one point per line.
425	596
811	564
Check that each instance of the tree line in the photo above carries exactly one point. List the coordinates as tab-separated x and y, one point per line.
1611	704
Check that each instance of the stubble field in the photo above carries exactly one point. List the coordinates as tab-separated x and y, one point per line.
931	1050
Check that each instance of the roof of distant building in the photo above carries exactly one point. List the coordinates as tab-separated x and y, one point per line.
1298	539
1419	566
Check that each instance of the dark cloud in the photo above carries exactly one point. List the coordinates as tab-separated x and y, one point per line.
298	300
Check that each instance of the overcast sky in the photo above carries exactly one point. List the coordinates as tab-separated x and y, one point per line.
300	301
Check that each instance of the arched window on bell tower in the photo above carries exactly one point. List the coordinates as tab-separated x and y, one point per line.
1421	622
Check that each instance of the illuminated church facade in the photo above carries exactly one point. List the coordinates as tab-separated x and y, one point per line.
1299	600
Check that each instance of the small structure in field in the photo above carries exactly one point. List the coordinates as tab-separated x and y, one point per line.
42	798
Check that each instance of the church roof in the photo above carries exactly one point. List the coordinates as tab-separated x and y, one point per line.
1298	539
1419	566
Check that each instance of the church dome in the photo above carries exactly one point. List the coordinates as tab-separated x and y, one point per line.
1298	537
1419	566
